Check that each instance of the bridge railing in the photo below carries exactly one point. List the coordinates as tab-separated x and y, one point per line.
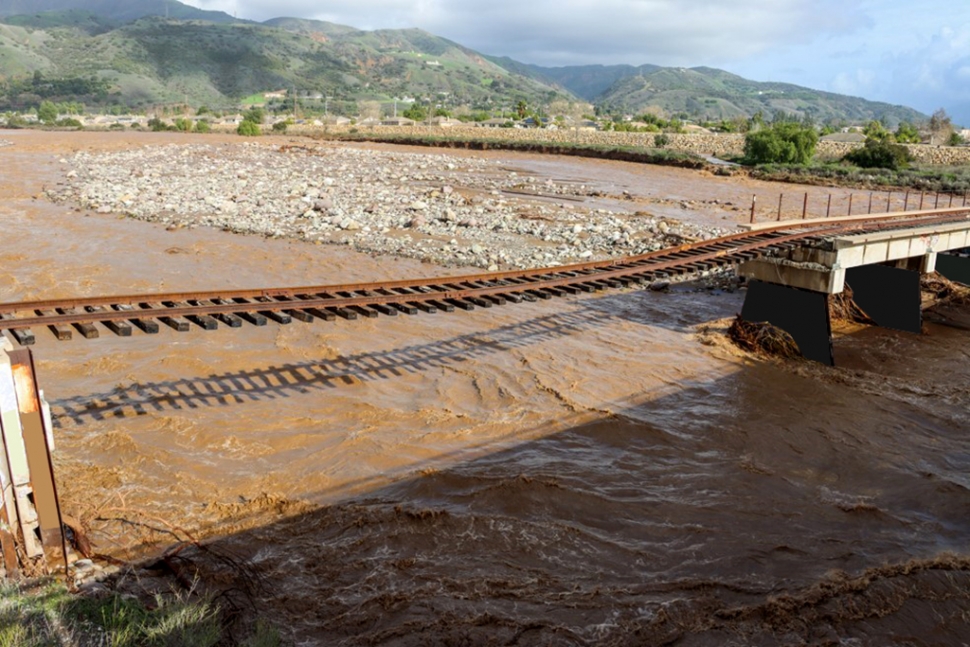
802	206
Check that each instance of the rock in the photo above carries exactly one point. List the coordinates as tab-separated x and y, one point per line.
418	205
417	221
478	249
84	565
323	204
93	588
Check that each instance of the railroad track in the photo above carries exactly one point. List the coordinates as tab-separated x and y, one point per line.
121	315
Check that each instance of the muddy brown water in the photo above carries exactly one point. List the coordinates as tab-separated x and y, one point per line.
589	471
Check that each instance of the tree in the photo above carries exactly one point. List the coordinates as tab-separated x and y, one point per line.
47	112
880	154
876	131
416	112
248	129
940	127
157	125
202	126
782	143
906	133
255	115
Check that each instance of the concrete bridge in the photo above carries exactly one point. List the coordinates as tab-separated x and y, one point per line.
882	269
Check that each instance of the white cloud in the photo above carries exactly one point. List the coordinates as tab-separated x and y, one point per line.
583	31
859	82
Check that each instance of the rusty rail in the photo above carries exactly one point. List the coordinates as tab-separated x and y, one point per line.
206	309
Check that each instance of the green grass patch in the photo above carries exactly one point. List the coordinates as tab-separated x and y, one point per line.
641	154
45	614
253	99
949	179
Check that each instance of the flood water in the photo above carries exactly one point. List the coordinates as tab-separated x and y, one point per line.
587	471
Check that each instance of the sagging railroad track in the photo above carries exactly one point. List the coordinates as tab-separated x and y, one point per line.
232	308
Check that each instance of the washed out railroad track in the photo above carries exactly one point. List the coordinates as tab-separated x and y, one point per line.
121	315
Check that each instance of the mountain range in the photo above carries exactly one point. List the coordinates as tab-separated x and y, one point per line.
147	52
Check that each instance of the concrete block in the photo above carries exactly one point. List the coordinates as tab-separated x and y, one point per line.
955	268
889	295
816	278
802	314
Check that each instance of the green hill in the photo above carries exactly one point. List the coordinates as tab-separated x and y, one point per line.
156	60
115	12
706	93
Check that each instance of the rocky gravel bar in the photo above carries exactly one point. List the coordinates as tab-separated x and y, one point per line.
449	210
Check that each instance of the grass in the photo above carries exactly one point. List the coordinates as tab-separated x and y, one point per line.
949	179
45	613
640	154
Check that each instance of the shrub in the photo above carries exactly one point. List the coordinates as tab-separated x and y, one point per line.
907	133
880	154
248	129
661	140
47	112
280	127
70	122
416	112
255	115
157	125
183	125
202	126
782	143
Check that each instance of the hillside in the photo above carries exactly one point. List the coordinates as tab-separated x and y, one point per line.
156	60
705	93
128	52
115	12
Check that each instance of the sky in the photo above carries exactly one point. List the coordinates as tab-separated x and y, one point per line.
914	53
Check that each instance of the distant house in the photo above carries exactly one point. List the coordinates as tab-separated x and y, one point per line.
495	123
230	120
444	122
278	94
369	121
397	121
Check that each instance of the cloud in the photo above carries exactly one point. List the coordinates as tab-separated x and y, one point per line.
665	32
858	82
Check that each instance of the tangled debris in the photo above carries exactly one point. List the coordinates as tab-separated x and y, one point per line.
943	289
763	338
843	307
